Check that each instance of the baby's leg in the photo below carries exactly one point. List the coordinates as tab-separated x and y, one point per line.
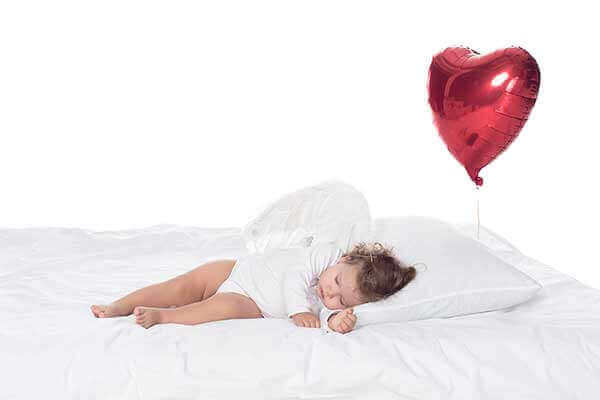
193	286
216	308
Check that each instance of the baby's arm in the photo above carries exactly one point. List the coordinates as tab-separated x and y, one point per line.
297	282
295	285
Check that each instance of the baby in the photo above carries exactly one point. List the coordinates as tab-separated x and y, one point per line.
317	287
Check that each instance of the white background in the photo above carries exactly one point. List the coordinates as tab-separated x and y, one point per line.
123	114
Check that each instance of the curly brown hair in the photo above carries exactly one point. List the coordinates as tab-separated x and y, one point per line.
381	274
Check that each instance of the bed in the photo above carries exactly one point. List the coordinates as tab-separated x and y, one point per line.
52	346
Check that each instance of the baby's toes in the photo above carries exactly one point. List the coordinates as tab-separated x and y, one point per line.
140	316
144	322
98	310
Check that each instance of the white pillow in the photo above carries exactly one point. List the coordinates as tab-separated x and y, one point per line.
460	275
331	211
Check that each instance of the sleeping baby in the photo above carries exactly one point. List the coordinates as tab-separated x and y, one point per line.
315	287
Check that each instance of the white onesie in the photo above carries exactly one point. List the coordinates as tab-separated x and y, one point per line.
282	282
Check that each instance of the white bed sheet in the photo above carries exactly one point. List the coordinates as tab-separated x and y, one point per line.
52	347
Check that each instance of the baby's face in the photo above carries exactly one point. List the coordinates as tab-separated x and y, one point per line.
337	287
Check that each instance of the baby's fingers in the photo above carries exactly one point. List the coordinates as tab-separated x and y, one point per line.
344	325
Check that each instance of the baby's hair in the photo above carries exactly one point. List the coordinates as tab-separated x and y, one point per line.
381	274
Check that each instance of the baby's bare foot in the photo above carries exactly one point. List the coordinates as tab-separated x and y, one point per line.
148	316
107	311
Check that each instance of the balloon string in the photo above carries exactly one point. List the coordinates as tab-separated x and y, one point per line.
477	196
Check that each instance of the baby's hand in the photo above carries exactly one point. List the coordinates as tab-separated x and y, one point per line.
343	322
306	319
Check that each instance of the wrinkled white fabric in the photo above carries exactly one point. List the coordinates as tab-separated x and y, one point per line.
332	211
51	346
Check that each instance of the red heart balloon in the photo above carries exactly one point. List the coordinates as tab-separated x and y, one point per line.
480	103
